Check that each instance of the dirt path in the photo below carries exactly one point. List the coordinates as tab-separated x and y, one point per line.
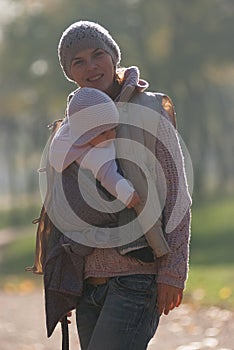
22	327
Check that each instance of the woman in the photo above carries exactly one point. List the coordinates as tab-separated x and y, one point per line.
124	294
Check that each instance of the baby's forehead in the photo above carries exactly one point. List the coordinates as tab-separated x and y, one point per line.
91	96
93	102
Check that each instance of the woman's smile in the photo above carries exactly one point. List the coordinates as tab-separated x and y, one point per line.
93	68
95	78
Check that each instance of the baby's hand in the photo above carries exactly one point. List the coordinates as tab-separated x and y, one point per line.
134	200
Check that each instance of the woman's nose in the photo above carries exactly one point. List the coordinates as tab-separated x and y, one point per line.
91	64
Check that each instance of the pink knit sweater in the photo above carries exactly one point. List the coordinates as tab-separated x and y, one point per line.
172	268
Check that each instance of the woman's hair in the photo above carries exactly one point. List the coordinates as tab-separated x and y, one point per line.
119	75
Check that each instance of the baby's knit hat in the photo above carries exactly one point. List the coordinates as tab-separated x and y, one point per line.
85	35
90	112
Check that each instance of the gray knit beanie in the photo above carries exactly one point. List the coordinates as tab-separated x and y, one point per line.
85	35
91	112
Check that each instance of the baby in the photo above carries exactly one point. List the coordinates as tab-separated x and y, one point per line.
91	121
87	137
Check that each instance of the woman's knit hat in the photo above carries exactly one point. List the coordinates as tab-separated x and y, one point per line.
85	35
90	112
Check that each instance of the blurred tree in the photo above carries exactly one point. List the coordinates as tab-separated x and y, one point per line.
181	47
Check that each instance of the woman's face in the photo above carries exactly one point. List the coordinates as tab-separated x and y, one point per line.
93	68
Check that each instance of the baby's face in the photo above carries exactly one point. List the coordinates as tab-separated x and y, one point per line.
100	140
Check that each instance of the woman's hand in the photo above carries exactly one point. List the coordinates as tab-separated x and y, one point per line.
134	200
169	297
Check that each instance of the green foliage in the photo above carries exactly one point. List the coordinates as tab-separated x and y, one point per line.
183	48
18	216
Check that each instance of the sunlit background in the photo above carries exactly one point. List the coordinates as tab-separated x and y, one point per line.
183	48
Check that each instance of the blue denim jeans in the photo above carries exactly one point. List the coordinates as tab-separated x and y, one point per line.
119	315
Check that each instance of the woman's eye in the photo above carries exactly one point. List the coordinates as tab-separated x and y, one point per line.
79	62
99	53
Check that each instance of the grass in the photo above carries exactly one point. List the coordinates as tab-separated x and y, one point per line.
17	255
19	252
211	277
212	233
211	285
18	216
